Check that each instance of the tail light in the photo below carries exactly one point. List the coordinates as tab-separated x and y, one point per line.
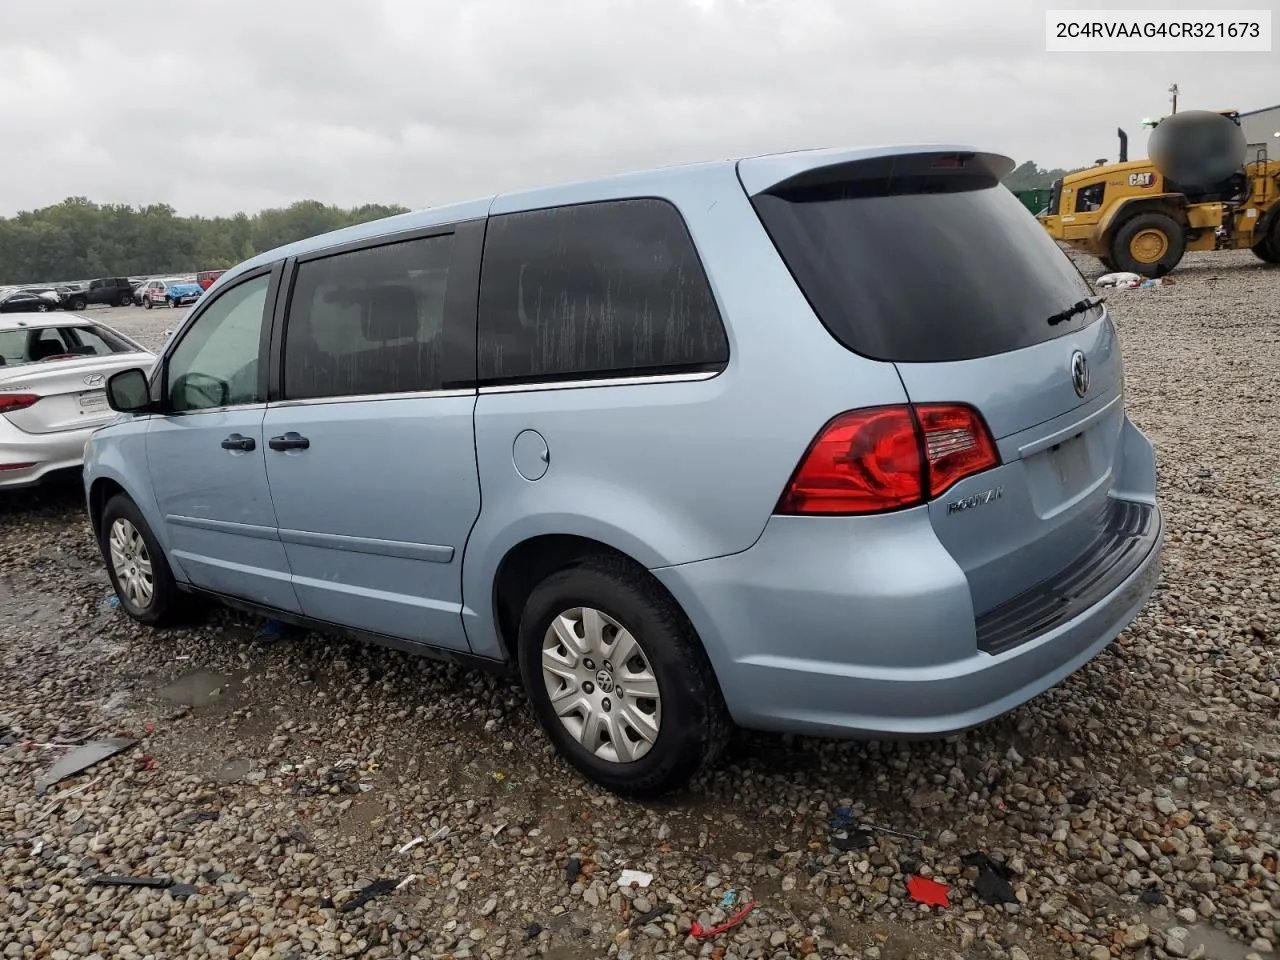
888	458
16	401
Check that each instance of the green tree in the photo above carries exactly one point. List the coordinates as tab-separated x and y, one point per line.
78	239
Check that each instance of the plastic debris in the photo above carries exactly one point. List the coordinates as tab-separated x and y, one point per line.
37	848
728	901
406	881
498	775
111	603
856	840
572	867
410	845
270	630
637	878
375	889
1122	279
643	919
438	835
82	758
931	892
158	883
143	763
843	820
699	932
993	879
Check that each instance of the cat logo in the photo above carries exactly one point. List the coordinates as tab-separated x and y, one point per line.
1141	179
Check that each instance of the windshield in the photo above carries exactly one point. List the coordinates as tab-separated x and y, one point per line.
924	269
38	344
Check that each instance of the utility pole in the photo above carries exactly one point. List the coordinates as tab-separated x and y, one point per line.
1173	94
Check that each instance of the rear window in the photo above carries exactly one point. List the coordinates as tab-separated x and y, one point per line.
594	291
911	264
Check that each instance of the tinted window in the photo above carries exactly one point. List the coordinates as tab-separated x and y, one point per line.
371	322
215	364
924	268
596	290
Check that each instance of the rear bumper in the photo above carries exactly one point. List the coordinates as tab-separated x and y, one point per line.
46	452
864	627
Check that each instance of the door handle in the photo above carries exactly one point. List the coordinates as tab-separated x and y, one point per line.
290	441
237	442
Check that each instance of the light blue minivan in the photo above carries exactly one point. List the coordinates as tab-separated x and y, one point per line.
828	442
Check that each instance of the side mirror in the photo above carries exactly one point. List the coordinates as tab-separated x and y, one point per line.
128	391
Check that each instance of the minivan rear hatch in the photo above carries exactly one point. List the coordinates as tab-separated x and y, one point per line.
925	260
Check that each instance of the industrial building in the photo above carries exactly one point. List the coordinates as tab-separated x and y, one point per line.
1261	127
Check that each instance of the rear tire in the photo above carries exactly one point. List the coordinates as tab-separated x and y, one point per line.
1264	252
147	303
1150	244
632	744
78	303
126	300
137	566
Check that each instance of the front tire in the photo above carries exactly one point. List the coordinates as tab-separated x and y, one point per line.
1150	244
619	680
137	566
126	300
78	303
147	303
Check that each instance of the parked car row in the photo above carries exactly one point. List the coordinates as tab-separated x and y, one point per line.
661	445
167	291
172	291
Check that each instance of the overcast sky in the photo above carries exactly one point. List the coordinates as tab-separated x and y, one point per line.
215	106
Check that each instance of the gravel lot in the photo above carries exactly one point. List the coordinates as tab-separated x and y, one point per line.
1136	806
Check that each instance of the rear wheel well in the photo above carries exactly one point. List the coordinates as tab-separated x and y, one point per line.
529	563
100	492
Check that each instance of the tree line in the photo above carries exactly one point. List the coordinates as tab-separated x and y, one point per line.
80	240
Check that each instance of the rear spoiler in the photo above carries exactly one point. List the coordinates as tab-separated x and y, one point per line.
804	167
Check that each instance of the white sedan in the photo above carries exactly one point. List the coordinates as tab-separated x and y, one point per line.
53	374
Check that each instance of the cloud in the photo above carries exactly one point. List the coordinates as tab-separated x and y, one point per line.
237	104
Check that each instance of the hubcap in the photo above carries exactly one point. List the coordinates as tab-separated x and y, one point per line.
131	563
1149	246
601	685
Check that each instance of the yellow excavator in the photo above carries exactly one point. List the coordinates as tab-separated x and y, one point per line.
1198	191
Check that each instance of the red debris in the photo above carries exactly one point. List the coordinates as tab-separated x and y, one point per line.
147	762
698	932
149	727
924	890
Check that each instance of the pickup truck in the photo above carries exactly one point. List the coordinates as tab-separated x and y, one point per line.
113	291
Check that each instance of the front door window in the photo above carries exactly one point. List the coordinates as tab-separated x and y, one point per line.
216	363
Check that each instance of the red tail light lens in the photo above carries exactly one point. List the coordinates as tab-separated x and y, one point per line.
957	444
888	458
16	401
866	461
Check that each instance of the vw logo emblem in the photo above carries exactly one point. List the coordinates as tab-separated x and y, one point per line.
1079	373
94	380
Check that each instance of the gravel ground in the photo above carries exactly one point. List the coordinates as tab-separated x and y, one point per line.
274	777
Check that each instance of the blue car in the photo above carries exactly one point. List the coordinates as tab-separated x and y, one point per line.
829	442
181	294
